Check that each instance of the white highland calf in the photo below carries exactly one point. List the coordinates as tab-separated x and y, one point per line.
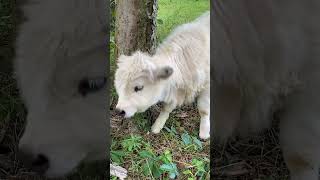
178	73
267	59
61	70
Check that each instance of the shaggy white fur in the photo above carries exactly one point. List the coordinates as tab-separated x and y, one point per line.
178	73
61	70
266	59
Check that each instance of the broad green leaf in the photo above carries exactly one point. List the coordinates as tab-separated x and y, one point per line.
167	167
156	171
197	142
166	157
186	138
171	169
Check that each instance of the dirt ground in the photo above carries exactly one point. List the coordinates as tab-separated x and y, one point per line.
257	157
252	158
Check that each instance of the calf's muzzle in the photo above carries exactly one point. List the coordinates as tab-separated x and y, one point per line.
38	163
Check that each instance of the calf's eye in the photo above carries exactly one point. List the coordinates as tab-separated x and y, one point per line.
91	85
138	88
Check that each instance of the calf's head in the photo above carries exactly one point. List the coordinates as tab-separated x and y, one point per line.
66	102
61	67
140	83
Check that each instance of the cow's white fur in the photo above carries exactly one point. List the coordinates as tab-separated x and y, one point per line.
266	58
185	53
60	43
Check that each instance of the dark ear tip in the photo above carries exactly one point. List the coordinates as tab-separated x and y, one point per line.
164	72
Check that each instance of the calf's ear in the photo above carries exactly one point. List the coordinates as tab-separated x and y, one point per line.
163	72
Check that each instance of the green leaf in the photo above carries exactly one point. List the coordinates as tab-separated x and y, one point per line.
199	165
186	172
166	157
146	154
117	156
172	175
170	168
167	167
156	171
172	130
132	143
145	169
197	142
148	167
166	128
186	138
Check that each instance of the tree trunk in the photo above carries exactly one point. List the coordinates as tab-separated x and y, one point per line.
135	26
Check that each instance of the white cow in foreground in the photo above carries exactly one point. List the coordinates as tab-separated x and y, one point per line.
178	73
61	66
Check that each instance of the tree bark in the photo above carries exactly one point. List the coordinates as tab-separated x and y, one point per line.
135	26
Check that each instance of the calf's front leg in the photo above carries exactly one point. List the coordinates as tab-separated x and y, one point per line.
162	118
203	103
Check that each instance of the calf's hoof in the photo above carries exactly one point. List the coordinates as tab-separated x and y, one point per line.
204	135
155	130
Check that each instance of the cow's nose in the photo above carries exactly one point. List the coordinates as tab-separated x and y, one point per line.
120	112
38	164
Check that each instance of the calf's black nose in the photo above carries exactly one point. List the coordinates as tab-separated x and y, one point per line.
38	163
120	112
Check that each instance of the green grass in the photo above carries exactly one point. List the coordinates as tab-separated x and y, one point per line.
176	151
175	12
